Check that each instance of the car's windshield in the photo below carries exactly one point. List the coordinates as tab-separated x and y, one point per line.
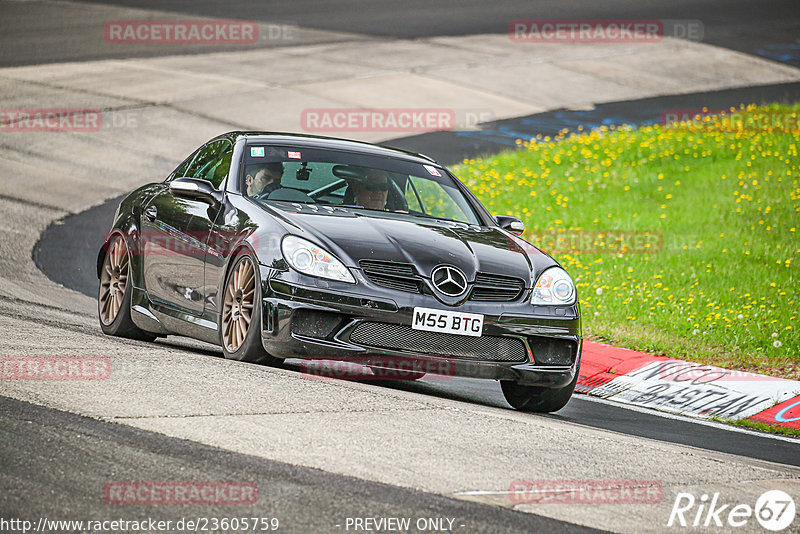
313	176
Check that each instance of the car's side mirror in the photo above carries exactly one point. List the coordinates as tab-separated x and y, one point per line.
195	189
512	224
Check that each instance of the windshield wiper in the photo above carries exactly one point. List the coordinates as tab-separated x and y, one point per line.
427	216
304	202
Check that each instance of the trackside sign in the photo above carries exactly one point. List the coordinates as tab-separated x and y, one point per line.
687	388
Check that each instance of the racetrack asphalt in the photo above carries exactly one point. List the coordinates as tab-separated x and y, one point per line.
762	28
67	253
452	147
39	447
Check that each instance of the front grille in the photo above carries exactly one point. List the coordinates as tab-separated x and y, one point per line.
405	338
399	276
496	288
404	277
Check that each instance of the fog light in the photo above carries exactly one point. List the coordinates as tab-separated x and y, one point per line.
316	324
552	351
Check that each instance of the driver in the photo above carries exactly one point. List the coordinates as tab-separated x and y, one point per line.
373	191
263	179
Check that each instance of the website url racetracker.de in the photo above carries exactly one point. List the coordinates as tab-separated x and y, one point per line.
195	524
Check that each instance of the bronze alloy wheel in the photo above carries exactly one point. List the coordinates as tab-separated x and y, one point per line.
113	280
237	308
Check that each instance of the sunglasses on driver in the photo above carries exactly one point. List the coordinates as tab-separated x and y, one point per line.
370	186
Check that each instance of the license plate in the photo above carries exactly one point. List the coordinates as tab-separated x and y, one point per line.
447	322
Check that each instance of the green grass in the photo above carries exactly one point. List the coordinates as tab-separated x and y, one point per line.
764	427
712	275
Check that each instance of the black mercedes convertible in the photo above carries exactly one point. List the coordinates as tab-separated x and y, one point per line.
278	246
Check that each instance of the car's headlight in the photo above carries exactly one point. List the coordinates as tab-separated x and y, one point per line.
554	286
313	260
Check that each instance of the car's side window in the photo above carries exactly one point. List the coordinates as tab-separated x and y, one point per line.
436	200
212	162
181	170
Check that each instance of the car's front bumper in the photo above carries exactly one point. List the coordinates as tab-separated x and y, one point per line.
303	317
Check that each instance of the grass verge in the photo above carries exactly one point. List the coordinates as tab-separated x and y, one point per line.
764	427
682	239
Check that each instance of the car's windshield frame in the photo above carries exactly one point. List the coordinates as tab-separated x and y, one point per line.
396	168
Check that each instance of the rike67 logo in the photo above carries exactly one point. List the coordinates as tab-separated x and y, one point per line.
774	510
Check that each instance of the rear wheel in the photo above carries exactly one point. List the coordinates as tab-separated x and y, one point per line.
537	399
240	331
114	294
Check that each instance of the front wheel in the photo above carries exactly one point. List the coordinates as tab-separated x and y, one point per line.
114	294
537	399
240	325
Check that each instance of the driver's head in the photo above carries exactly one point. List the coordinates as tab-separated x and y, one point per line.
262	175
373	190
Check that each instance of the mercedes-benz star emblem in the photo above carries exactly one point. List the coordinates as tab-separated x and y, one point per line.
449	280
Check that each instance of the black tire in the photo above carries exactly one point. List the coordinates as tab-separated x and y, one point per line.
247	348
537	399
116	272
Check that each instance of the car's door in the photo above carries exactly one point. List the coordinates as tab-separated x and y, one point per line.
231	223
175	231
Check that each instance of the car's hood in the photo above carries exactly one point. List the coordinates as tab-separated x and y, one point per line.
426	243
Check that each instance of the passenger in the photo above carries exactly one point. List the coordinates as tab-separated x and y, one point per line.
263	179
373	191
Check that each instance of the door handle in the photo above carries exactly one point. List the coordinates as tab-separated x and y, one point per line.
151	213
